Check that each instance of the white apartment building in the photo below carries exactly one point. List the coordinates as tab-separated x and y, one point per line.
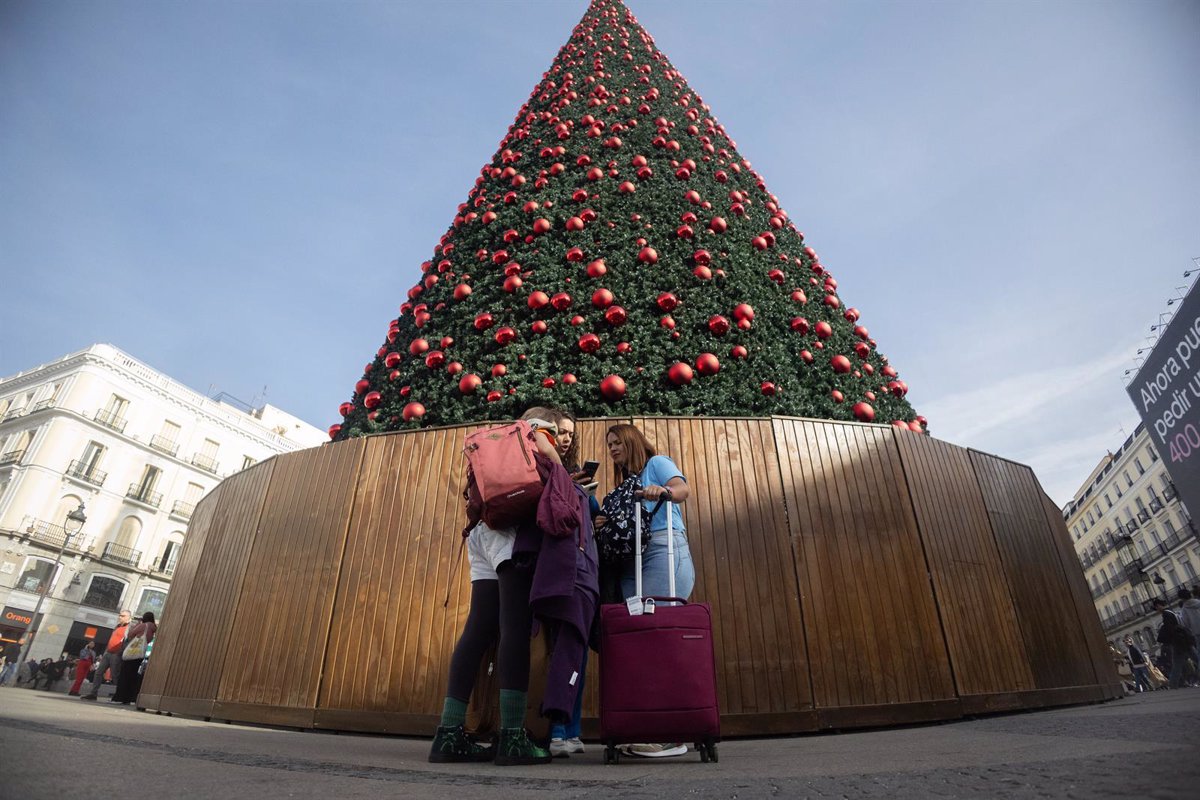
101	428
1134	538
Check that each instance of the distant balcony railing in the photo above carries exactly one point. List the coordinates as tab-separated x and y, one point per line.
13	414
83	471
121	554
12	457
164	445
206	463
111	420
182	509
39	530
1131	525
1143	516
41	405
1169	492
1156	506
144	495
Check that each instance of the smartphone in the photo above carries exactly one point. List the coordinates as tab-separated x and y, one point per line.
590	467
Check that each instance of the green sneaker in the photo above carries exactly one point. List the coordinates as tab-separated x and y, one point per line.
452	745
516	748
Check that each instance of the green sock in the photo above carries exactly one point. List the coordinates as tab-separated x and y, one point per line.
454	712
512	708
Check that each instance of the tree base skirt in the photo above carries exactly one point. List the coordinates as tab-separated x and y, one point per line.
859	575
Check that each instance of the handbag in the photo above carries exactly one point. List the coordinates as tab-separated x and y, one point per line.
135	649
615	538
1157	679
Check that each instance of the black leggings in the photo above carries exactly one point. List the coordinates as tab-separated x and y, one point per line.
499	610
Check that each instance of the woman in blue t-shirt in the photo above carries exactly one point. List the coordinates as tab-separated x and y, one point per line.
632	454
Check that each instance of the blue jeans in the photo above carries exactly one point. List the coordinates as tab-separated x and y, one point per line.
655	578
571	729
1142	676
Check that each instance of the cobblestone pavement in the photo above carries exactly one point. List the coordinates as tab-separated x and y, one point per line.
1145	746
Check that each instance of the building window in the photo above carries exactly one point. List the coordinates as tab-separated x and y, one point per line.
248	461
104	592
1188	569
1107	500
1128	480
166	563
152	600
92	454
1089	518
1137	463
128	533
36	576
1124	602
1153	454
116	407
149	481
1119	492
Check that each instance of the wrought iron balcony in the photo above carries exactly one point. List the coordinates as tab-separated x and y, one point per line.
144	495
111	420
12	457
1143	516
82	471
182	509
47	533
164	445
1169	492
206	463
1131	525
1156	506
121	554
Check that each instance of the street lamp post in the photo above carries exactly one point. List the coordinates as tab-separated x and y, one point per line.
72	526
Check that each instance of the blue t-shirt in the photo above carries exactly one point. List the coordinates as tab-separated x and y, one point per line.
657	472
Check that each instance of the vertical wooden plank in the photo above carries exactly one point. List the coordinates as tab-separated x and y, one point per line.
286	600
978	617
1046	615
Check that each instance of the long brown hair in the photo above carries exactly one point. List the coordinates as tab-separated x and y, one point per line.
570	459
638	449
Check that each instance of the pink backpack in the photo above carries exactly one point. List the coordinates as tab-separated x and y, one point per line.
501	459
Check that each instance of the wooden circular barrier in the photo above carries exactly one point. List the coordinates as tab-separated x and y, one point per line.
858	575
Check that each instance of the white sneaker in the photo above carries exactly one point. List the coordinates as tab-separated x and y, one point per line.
560	748
574	745
655	750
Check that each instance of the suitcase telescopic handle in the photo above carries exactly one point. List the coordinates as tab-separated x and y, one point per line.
658	599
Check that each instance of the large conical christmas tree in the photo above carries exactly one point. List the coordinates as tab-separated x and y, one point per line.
618	256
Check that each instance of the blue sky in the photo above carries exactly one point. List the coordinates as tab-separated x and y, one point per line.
240	193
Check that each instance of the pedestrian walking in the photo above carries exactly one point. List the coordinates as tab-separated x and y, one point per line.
133	653
110	660
87	660
1139	664
1175	639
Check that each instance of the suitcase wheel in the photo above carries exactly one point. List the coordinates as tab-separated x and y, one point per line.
712	752
612	755
703	748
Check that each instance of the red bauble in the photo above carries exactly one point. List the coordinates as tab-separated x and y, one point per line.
737	351
589	343
840	364
648	255
717	225
505	336
575	254
539	327
493	396
863	412
538	300
575	224
561	301
767	388
799	325
345	408
454	367
612	387
602	298
435	359
702	258
484	321
447	341
512	283
667	322
824	331
362	386
569	378
680	373
418	347
703	273
615	315
624	347
667	301
707	364
799	297
806	357
743	311
462	292
413	411
548	383
597	268
469	383
915	427
334	430
541	225
718	325
499	370
837	396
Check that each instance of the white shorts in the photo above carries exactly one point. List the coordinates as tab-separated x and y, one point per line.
488	549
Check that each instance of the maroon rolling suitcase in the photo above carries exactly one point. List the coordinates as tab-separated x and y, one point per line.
658	676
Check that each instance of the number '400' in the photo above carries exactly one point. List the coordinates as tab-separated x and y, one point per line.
1185	442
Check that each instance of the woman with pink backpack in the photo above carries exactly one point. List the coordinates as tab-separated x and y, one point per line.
513	550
